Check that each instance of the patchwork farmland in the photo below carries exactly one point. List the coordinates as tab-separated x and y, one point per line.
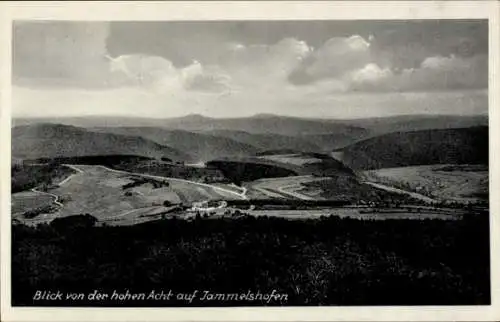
452	183
111	195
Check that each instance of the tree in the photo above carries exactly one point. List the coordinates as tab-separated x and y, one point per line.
72	222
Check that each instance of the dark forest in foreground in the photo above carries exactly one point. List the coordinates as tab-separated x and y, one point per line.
330	261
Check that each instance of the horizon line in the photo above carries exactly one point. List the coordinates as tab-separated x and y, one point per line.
247	117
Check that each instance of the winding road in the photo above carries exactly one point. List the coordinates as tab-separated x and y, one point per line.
294	194
241	195
56	197
271	187
80	171
400	191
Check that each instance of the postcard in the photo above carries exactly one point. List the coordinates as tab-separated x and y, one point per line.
249	161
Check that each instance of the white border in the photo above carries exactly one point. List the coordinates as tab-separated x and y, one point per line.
248	10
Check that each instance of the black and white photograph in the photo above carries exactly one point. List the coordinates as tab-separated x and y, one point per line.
249	163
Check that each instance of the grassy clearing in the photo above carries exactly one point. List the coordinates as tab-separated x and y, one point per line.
288	187
295	159
189	192
28	200
106	194
351	190
99	191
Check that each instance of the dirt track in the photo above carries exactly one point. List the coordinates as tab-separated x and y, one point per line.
285	187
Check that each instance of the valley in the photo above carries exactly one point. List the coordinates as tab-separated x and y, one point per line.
174	170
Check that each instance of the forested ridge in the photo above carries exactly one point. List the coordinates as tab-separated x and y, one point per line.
330	261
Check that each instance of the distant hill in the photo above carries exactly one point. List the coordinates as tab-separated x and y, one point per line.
263	131
268	124
90	121
333	141
201	146
260	124
56	140
266	142
457	146
406	123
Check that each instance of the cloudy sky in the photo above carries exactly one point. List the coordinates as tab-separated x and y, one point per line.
334	69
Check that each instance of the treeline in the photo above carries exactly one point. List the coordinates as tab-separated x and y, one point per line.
240	171
133	163
138	181
329	261
26	176
173	171
105	160
288	203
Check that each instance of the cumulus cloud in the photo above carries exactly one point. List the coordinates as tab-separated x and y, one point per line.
333	59
343	64
210	79
370	73
258	65
159	74
75	54
143	70
434	73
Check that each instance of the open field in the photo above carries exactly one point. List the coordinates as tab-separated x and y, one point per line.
286	187
112	194
413	195
189	191
97	192
230	187
458	183
29	200
294	159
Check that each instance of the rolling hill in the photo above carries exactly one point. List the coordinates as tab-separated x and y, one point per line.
260	124
265	142
444	146
201	146
406	123
56	140
206	138
333	141
269	124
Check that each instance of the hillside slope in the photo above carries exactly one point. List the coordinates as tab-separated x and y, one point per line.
201	146
280	165
261	124
406	123
265	142
454	146
56	140
333	141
